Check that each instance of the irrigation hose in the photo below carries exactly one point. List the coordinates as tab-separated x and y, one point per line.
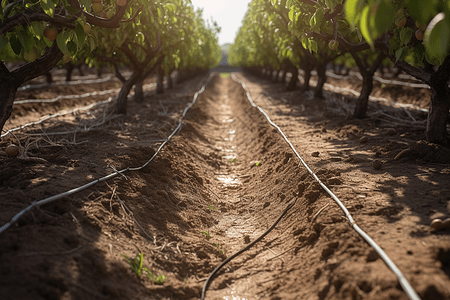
87	185
410	292
211	276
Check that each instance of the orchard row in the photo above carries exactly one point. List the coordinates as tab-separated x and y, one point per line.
309	34
143	36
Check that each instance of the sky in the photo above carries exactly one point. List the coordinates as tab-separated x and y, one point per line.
227	13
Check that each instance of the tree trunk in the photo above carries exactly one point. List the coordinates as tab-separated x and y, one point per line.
436	131
10	81
363	99
99	72
80	69
318	91
293	81
169	80
277	74
283	76
138	91
160	80
69	70
8	89
121	103
49	77
307	77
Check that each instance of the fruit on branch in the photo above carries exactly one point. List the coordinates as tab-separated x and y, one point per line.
87	28
121	2
30	56
419	34
333	44
97	7
50	33
401	21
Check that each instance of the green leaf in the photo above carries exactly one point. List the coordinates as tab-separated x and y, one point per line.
364	25
38	29
48	7
16	46
291	13
312	45
398	54
422	11
92	44
353	8
382	16
405	35
437	37
419	52
81	35
62	40
3	42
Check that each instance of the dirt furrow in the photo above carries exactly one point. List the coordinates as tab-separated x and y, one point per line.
217	186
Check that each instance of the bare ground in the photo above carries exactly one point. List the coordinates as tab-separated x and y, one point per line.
220	183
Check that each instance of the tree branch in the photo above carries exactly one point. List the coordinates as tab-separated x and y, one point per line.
337	10
40	66
377	62
27	16
100	22
3	70
134	16
131	56
413	71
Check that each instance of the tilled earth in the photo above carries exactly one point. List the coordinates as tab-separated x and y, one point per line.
221	182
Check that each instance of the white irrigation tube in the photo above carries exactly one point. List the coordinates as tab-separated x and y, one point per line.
76	82
87	185
396	82
27	101
65	112
371	98
62	97
401	278
57	115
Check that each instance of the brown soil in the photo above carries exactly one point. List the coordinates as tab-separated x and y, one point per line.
204	197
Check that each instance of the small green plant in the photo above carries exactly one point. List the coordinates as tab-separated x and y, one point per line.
136	263
137	266
224	75
207	234
217	245
211	207
159	280
233	159
257	163
186	280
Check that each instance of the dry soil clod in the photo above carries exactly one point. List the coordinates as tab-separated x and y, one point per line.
377	164
364	139
437	224
446	223
12	150
391	131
